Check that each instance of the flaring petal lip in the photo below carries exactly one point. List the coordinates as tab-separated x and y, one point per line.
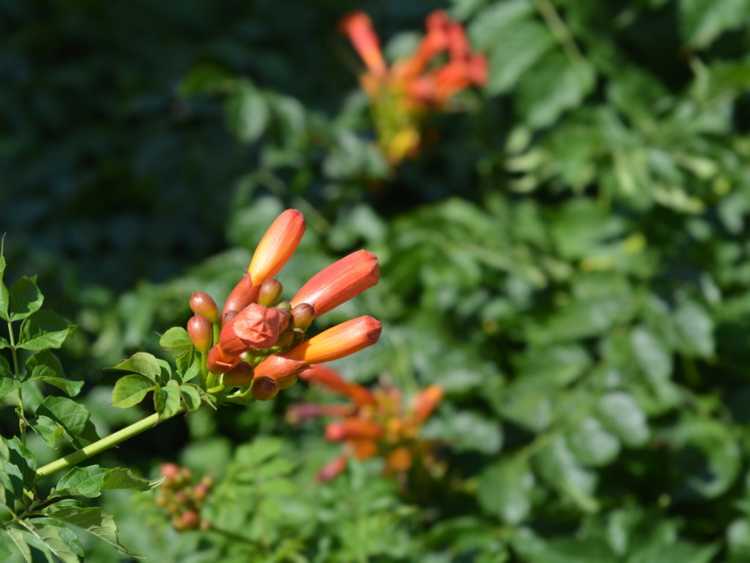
339	341
341	281
277	245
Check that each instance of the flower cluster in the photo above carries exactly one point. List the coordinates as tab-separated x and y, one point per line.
258	342
372	423
442	65
181	499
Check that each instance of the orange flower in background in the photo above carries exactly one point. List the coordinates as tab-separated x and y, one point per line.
401	95
373	423
259	343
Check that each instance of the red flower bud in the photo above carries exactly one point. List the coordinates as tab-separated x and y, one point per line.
240	297
220	362
353	429
264	388
358	27
305	411
270	291
239	375
333	469
169	470
327	377
277	245
202	304
338	341
283	370
399	460
189	520
199	330
255	327
339	282
426	402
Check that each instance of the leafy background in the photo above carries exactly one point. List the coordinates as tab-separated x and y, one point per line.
567	258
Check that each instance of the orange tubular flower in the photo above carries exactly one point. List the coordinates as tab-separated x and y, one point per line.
426	402
339	282
339	341
283	370
255	327
327	377
239	375
240	297
333	469
276	247
353	429
220	362
358	27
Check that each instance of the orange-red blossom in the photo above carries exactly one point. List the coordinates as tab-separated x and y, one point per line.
442	65
373	423
260	342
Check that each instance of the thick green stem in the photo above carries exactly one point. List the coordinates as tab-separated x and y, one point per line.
13	351
100	445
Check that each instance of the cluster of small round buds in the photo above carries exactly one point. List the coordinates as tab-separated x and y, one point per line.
182	500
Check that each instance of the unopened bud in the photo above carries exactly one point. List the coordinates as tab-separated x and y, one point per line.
240	297
264	388
190	520
199	329
302	316
270	291
333	469
169	470
201	303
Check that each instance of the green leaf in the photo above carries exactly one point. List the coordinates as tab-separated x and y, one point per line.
91	480
622	415
191	397
167	399
92	520
558	466
142	363
131	390
4	343
247	112
205	79
591	443
651	353
702	22
465	431
4	295
44	330
7	386
44	366
695	330
505	489
18	540
25	298
71	416
178	344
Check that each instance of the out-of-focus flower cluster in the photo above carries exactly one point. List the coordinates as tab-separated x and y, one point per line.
258	343
181	499
373	423
401	95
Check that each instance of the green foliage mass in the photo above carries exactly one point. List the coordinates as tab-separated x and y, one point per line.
567	258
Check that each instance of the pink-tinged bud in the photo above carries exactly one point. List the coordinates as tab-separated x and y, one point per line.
239	375
302	316
302	412
202	304
339	341
353	429
277	245
220	362
240	297
189	520
323	375
358	27
426	402
270	291
339	282
264	388
333	469
199	330
438	22
256	327
283	370
169	470
478	70
458	45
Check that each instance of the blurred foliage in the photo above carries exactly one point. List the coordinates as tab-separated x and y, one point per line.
566	257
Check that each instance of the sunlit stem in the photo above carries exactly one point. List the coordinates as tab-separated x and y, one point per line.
99	446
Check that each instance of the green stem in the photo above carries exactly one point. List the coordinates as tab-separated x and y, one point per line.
13	348
100	445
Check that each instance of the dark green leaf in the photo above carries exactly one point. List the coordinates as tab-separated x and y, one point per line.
167	399
191	397
44	366
505	490
91	480
25	298
142	363
44	330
